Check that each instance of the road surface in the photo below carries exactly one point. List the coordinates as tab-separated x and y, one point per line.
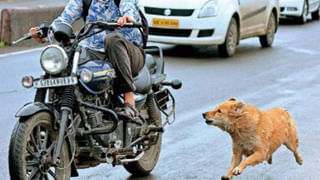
287	75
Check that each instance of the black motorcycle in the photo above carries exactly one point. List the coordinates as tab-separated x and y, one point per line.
72	123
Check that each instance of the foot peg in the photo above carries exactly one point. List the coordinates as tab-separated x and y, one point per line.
132	160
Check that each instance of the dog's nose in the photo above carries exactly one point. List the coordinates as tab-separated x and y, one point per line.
204	115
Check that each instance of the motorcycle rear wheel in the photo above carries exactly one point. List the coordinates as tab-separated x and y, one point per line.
149	160
31	148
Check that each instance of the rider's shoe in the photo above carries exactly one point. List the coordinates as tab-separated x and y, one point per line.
127	111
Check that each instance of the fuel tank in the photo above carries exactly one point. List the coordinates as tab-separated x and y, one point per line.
102	76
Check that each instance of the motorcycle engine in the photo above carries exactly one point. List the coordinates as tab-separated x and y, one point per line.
97	119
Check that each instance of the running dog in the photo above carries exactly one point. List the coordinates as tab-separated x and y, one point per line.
255	133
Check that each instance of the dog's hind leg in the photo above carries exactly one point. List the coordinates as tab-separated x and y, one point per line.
292	143
270	160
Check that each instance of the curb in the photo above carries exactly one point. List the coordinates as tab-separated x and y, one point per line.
15	22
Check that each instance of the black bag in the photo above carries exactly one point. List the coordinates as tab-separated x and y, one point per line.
145	27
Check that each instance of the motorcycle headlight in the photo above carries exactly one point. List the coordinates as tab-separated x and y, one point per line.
53	59
209	9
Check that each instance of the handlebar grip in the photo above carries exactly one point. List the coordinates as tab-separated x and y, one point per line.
135	24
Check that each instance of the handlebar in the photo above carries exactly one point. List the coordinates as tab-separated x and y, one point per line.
25	37
44	28
84	32
112	25
42	32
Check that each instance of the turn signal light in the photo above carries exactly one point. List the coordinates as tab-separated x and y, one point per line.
27	81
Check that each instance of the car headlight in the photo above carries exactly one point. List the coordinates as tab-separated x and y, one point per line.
209	9
53	59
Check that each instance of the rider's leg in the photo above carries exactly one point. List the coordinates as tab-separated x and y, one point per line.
128	60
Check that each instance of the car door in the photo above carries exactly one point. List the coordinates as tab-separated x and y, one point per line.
260	13
248	21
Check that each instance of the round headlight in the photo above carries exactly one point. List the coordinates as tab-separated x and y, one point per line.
53	59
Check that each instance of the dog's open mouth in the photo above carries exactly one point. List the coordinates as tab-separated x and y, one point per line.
208	121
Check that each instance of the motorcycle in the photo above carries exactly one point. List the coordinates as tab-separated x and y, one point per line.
72	123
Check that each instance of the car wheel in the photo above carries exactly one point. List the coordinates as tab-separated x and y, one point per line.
303	18
267	39
315	15
228	48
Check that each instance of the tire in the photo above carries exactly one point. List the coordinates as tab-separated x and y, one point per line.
228	48
267	39
315	15
32	142
303	18
149	160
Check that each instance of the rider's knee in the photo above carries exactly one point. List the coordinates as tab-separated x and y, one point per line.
112	40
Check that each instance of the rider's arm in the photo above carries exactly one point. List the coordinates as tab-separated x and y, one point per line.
130	8
71	13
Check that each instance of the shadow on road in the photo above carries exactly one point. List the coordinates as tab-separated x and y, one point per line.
291	22
193	51
149	177
205	52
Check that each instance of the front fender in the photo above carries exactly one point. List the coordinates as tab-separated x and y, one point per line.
34	107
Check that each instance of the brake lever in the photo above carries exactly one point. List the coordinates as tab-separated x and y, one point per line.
42	33
25	37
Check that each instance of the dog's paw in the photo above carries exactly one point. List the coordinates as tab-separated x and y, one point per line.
237	171
226	178
299	161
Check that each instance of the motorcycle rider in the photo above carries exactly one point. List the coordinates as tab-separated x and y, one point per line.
121	47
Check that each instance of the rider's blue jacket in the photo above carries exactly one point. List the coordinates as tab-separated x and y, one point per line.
103	10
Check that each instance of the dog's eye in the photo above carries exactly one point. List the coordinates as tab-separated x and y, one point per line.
219	111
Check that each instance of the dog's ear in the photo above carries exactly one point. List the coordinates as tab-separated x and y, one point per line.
232	99
237	109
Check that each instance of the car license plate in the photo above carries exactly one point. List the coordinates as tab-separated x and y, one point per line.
55	82
171	23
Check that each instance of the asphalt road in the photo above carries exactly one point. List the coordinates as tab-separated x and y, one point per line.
287	75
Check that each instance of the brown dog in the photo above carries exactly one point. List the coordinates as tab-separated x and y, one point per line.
255	134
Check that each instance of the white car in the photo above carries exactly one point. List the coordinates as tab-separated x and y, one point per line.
299	9
211	22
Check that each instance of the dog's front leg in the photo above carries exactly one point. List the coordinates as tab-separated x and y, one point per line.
236	159
252	160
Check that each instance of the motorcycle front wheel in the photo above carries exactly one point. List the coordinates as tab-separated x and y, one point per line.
149	160
31	150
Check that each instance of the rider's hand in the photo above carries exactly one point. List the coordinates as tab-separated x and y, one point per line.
124	19
33	32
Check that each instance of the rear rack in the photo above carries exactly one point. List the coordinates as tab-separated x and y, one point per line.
166	104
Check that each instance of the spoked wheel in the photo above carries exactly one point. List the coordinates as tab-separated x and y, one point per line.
303	18
267	40
150	158
228	48
31	150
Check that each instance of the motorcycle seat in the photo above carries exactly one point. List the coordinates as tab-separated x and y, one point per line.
143	80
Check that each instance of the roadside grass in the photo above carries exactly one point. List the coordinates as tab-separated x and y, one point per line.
2	44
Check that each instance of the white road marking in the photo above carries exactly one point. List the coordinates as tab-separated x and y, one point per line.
20	52
301	50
